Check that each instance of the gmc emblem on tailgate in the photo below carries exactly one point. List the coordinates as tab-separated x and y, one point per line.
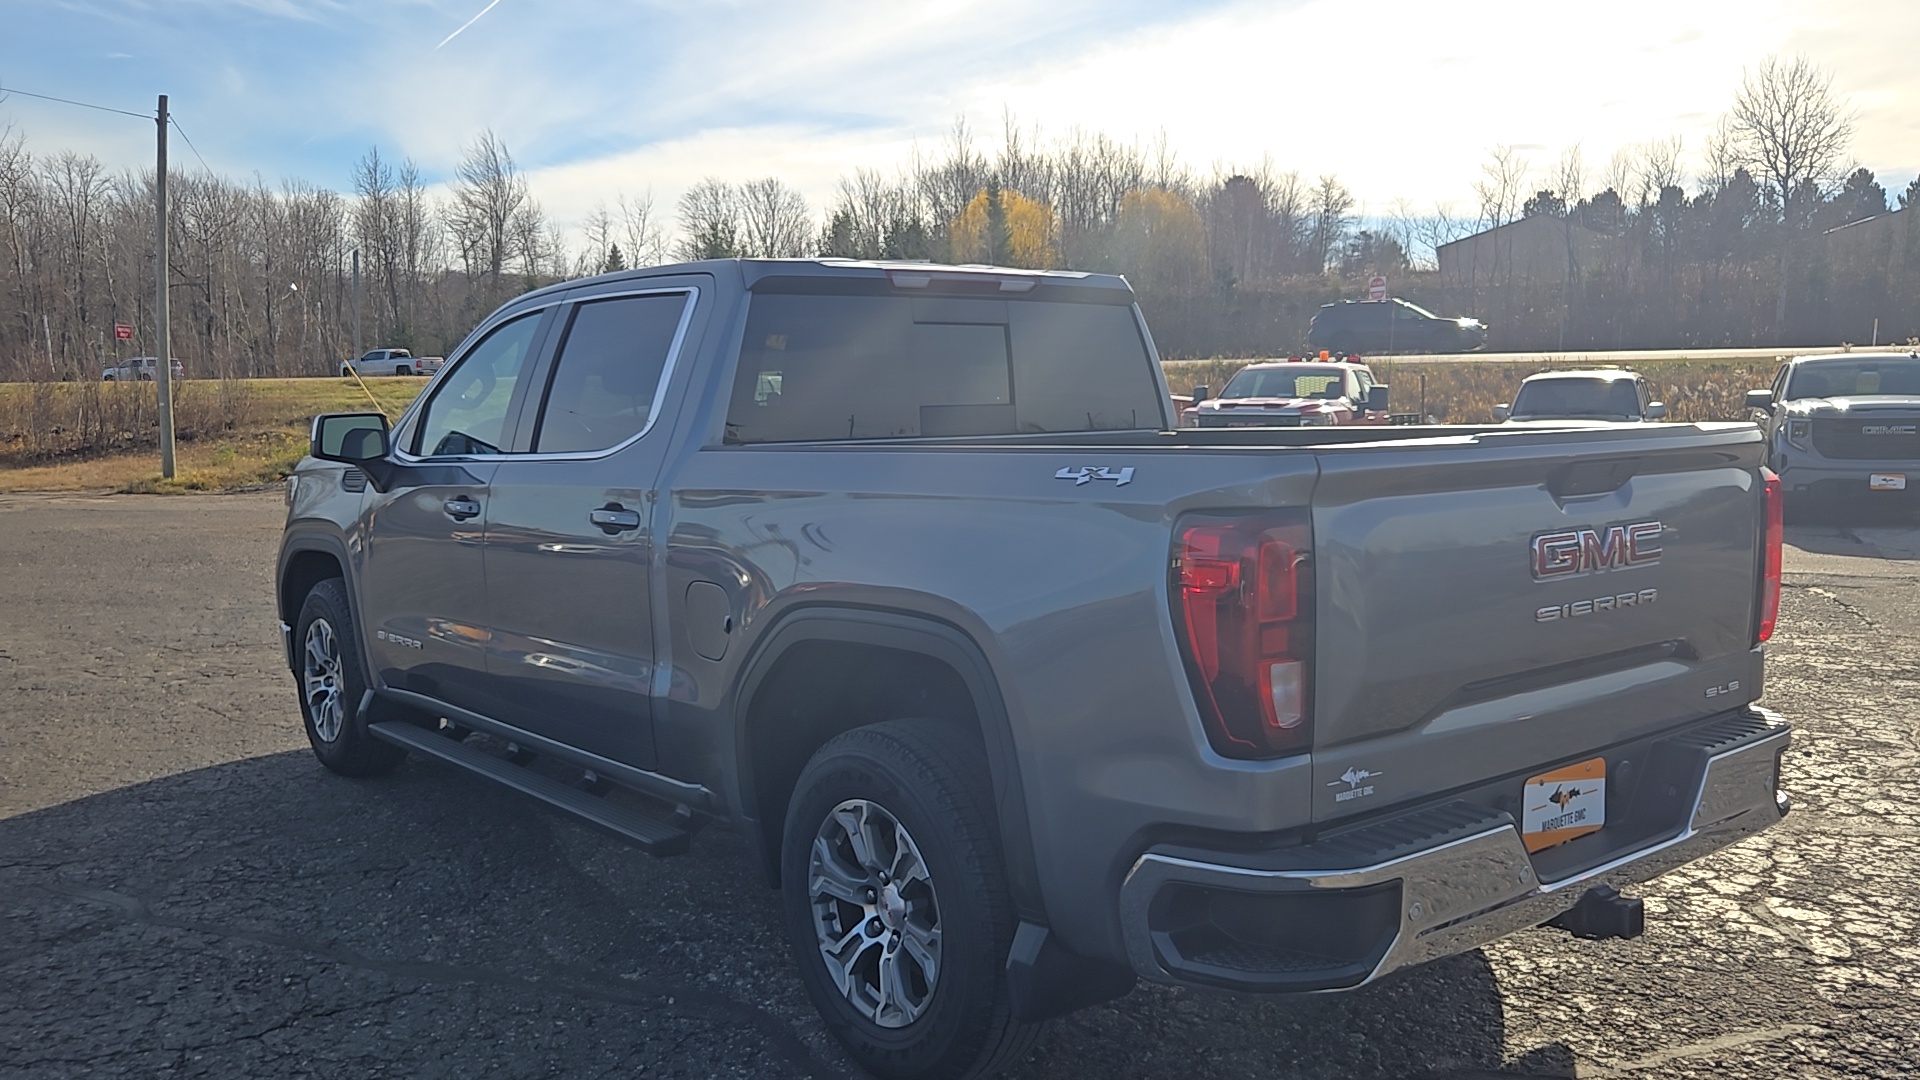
1573	552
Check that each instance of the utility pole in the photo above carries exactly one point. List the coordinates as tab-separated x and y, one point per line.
357	350
163	360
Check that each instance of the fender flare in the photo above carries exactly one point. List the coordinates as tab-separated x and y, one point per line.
302	539
938	640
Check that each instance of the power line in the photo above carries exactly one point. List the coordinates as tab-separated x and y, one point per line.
189	142
4	90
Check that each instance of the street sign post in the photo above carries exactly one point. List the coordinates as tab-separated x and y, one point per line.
1376	288
122	332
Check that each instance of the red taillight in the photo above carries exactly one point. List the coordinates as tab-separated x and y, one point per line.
1776	537
1242	591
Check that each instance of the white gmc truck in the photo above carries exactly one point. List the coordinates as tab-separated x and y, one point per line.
390	362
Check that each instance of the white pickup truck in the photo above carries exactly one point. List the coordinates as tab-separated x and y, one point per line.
390	362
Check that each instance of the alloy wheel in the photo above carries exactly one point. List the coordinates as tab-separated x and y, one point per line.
875	914
321	679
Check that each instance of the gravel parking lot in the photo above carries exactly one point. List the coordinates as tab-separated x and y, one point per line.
185	892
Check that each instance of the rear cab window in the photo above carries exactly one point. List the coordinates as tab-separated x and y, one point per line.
851	359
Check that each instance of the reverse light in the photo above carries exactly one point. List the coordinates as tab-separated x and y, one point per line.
1775	539
1242	592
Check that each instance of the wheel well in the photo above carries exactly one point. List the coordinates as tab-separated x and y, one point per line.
818	689
305	570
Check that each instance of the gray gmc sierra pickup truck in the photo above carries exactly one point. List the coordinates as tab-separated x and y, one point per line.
1019	690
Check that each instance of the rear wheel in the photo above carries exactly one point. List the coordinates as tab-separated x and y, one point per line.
332	681
896	901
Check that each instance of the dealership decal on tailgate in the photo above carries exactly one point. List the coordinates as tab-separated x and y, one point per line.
1563	804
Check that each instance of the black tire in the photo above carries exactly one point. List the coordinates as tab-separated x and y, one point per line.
346	372
331	680
108	378
932	780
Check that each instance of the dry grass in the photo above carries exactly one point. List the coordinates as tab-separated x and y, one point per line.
245	432
229	433
1466	392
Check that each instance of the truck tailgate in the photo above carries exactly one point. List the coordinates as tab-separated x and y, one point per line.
1520	602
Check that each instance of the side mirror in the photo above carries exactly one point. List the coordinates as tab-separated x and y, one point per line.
1201	393
350	438
1760	399
1500	413
1377	398
1657	410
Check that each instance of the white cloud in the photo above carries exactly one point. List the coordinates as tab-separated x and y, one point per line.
1399	98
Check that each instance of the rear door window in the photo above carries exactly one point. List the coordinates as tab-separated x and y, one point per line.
607	376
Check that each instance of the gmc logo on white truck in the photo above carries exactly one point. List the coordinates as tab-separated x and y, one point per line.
1572	552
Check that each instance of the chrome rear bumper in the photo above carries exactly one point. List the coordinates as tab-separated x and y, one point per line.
1477	886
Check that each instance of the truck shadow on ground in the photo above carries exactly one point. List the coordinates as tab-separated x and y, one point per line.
264	918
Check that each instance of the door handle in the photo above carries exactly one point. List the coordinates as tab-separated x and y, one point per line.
460	508
615	518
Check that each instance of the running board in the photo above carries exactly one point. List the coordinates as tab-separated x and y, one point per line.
652	835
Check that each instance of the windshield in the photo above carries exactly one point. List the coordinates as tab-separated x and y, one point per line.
1577	398
1288	382
1855	378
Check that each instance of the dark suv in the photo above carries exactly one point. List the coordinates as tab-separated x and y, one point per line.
1351	327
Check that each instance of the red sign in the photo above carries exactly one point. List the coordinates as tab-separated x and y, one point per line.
122	332
1377	288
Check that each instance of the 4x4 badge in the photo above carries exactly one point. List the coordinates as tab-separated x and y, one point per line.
1087	472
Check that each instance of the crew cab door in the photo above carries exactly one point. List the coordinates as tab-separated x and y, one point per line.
570	530
422	583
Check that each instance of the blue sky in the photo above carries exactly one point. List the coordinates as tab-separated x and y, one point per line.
1400	98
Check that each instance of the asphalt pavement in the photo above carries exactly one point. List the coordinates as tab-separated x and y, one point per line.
185	892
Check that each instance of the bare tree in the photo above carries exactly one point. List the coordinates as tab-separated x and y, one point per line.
1569	183
641	229
1439	229
945	187
1501	188
1656	167
603	248
376	228
1721	156
1332	215
419	242
709	221
488	194
1792	132
773	220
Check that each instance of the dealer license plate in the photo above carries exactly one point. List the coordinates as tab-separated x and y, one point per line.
1563	804
1887	481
